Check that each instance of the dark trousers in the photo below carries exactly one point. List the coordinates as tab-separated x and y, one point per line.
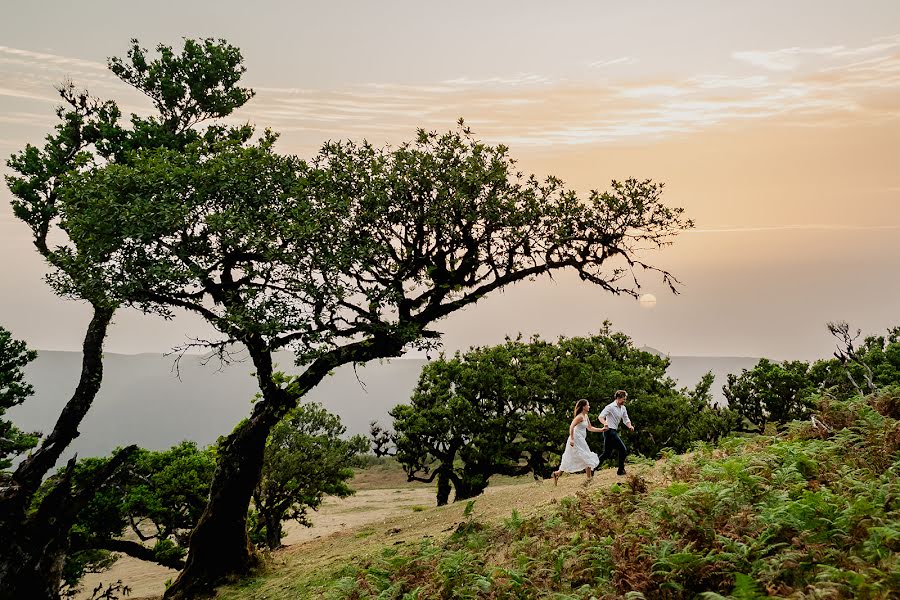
612	443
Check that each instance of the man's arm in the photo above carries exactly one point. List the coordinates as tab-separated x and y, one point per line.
627	419
604	414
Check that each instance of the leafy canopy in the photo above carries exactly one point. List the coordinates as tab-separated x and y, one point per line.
360	242
14	357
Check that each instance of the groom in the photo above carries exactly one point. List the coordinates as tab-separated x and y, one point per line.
614	415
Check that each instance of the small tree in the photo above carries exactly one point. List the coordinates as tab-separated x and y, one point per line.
306	459
771	391
14	390
382	440
156	497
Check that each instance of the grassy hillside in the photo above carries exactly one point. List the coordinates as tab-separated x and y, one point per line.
803	513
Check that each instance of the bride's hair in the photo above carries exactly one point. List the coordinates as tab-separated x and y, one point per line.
579	405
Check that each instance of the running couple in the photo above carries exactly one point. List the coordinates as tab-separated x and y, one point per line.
577	455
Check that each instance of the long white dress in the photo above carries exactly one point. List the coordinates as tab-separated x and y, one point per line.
578	457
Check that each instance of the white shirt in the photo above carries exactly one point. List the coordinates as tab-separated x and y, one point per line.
615	415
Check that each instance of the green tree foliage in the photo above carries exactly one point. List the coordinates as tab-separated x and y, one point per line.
350	257
780	392
771	391
506	409
306	459
676	419
186	87
156	497
14	356
859	368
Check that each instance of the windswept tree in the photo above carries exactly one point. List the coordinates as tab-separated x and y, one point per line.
866	366
186	88
351	257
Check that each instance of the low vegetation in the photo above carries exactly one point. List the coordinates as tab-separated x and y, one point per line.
812	511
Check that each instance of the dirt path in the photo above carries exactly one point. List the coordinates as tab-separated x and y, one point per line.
336	514
359	526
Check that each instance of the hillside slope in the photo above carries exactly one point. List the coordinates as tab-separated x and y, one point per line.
813	512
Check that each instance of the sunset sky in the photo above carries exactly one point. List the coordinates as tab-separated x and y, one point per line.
775	124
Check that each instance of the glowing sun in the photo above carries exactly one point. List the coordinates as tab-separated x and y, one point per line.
647	301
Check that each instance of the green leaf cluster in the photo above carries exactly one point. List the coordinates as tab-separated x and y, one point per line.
506	409
14	390
306	459
779	392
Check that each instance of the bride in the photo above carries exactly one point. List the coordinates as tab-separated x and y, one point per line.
577	455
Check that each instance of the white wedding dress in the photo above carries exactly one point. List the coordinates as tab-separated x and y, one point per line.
578	457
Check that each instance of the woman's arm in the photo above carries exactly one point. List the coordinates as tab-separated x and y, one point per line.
575	422
592	428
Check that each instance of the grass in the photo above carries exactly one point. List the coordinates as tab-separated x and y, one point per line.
803	514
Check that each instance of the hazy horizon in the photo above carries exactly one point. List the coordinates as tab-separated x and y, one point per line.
140	393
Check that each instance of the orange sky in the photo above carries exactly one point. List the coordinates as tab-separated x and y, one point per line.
777	128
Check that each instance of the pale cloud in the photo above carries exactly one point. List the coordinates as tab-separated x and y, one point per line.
654	90
622	60
850	83
27	94
777	60
715	82
52	59
788	59
514	81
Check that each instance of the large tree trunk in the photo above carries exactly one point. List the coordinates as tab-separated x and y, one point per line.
443	488
220	548
273	532
34	546
469	486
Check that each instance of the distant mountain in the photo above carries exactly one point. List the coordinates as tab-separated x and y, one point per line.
142	400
